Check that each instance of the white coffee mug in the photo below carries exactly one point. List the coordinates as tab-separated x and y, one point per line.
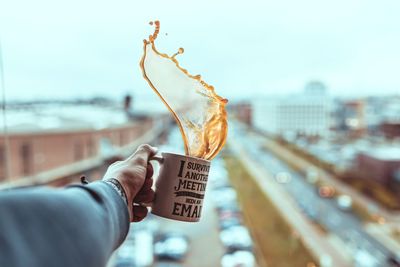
180	187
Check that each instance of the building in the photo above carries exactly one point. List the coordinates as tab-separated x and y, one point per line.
308	113
242	111
381	164
390	130
48	137
350	116
381	110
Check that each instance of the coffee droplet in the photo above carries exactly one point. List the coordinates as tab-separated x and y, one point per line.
199	112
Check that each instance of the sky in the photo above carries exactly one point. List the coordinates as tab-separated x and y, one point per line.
63	49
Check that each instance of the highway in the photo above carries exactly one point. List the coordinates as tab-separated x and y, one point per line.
324	211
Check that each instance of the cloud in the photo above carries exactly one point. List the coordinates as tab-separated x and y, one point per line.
84	48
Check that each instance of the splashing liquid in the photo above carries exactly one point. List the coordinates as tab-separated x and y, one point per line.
199	112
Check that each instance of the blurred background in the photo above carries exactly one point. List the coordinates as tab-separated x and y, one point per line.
310	174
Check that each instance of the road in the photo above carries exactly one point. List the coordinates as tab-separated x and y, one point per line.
324	211
367	203
205	246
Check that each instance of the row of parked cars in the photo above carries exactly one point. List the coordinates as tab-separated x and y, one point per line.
233	234
146	245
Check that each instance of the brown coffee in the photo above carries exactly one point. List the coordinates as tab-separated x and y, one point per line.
199	112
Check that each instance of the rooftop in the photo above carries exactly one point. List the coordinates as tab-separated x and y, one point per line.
56	117
385	153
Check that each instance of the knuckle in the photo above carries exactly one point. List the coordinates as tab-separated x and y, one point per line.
145	148
140	161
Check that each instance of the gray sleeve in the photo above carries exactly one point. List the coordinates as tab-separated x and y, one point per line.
77	226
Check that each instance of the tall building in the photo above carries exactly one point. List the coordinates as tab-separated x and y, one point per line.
350	116
308	113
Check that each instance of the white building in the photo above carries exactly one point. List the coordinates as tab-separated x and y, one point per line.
308	113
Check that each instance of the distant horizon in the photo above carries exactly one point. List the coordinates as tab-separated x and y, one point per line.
151	96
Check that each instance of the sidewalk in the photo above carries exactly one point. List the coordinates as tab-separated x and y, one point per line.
314	240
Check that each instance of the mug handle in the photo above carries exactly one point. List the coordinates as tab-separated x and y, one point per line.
160	161
157	158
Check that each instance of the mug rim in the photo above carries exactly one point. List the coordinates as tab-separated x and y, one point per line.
186	156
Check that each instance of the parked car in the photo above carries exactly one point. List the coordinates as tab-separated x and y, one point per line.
137	250
227	214
229	222
230	206
171	246
363	258
236	238
344	202
238	258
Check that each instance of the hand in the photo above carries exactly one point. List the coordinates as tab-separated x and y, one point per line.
135	176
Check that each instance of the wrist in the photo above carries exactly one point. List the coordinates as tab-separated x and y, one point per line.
116	185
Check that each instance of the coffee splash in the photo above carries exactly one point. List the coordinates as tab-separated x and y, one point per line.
199	112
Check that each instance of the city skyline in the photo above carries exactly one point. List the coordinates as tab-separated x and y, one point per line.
63	50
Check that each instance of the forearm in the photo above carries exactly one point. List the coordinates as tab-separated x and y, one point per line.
113	213
76	226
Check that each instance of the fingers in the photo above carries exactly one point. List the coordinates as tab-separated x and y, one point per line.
148	183
146	194
145	197
147	149
149	171
142	154
139	213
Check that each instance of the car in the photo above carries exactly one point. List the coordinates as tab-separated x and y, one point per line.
236	238
226	214
363	258
238	258
231	206
344	202
326	191
312	175
171	246
283	177
229	222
